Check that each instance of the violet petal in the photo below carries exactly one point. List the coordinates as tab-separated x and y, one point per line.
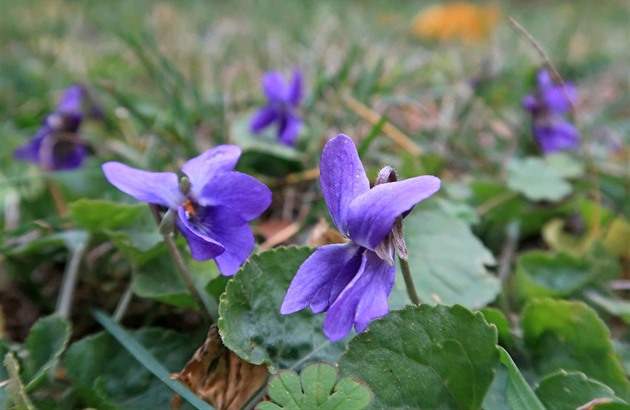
371	215
295	90
204	167
316	272
235	235
342	178
347	270
559	100
556	136
374	299
242	193
274	87
30	150
371	286
530	103
289	129
68	155
263	118
160	188
201	246
71	101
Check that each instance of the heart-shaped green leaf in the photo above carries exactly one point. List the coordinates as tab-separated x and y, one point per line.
570	336
425	357
447	262
537	180
250	321
45	343
572	390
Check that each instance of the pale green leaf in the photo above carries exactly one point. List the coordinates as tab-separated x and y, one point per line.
447	262
536	180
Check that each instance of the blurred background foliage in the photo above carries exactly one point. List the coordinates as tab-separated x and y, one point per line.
177	77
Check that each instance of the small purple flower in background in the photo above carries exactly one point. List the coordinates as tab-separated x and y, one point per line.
549	106
282	108
352	281
213	203
56	145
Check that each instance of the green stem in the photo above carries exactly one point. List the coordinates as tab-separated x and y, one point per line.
183	269
411	289
512	235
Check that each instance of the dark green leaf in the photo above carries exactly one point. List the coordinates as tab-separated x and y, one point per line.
541	273
250	321
106	375
45	343
497	318
96	214
430	357
611	304
15	387
4	374
570	336
158	279
514	391
316	388
572	390
447	262
137	245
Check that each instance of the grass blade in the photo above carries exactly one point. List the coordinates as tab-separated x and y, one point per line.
148	361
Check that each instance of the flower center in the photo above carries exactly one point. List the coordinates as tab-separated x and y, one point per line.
189	208
394	242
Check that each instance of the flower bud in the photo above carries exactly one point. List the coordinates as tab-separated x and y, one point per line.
167	226
385	175
184	185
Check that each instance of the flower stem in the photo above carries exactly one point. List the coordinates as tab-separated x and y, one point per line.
411	289
202	301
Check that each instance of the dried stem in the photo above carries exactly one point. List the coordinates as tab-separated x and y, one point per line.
183	269
543	55
69	282
411	289
121	309
619	284
57	196
389	129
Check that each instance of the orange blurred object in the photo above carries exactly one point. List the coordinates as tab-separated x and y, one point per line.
455	21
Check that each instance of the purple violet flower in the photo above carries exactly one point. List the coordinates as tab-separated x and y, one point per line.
282	107
56	145
549	105
212	203
352	281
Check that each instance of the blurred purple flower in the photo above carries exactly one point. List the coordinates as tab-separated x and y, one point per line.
213	203
56	145
282	107
352	281
549	105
